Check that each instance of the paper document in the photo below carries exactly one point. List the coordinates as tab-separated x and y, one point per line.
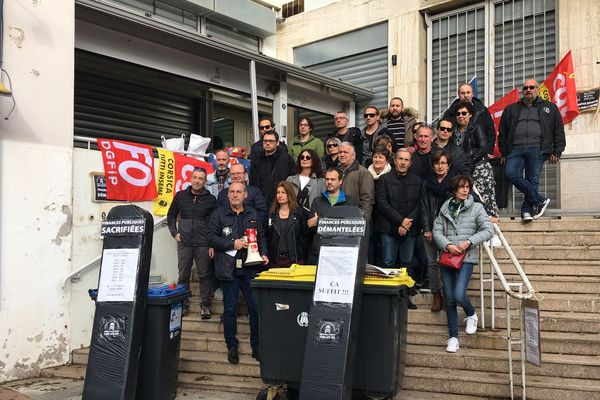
336	274
118	274
375	270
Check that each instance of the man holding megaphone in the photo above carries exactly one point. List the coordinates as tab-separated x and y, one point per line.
236	233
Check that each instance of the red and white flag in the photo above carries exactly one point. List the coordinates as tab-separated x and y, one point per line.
496	110
129	170
559	88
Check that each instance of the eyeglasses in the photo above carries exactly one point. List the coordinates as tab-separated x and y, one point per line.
440	163
264	127
445	129
530	87
461	113
369	115
341	118
269	140
332	145
305	157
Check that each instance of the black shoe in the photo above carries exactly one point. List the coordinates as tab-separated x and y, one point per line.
204	312
541	209
256	354
185	312
411	305
232	355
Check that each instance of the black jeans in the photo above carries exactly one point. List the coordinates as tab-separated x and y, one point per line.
186	256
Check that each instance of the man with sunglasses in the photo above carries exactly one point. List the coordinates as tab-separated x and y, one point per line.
531	131
370	133
460	162
347	134
264	124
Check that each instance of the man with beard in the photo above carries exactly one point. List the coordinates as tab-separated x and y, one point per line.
351	135
358	182
399	123
221	179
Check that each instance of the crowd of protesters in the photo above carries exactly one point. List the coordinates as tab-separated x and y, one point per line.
423	189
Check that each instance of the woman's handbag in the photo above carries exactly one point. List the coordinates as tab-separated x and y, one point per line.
453	261
449	260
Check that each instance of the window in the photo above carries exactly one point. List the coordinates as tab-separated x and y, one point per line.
457	54
521	36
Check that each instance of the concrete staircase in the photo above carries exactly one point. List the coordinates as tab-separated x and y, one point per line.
562	260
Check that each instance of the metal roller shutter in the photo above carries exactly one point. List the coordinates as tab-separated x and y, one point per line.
368	70
118	100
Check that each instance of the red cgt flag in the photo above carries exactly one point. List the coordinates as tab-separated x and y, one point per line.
129	170
496	110
559	88
184	166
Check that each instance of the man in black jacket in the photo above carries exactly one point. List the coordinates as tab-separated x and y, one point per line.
254	199
398	203
226	229
193	206
481	115
271	166
348	134
531	132
460	161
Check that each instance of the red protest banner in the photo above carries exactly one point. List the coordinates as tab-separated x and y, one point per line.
559	88
129	170
496	110
184	166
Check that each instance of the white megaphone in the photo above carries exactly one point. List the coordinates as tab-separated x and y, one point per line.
253	257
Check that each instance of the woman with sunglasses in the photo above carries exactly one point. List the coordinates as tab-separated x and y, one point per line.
378	168
307	178
332	146
471	138
288	231
369	134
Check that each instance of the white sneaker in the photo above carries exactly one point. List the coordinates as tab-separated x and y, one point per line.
452	345
471	327
219	294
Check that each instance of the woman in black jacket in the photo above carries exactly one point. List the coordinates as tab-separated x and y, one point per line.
471	138
434	192
288	230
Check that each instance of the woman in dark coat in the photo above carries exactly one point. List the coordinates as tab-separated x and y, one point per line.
288	230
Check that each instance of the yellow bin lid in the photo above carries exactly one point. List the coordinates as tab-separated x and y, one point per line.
306	273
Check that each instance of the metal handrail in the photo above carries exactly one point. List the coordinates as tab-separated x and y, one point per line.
74	276
509	292
520	296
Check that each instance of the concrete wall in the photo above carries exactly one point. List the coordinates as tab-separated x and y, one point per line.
406	32
35	186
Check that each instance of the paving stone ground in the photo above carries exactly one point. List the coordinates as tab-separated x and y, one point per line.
71	389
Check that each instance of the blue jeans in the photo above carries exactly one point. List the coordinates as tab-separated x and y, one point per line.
523	169
397	251
230	296
455	292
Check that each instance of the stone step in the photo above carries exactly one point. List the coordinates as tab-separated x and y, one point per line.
551	253
553	238
553	365
576	302
551	321
216	363
549	284
228	383
494	385
212	342
421	395
193	323
216	308
587	344
533	268
578	225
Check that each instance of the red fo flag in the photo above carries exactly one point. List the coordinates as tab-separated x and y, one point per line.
129	170
559	88
496	110
184	166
